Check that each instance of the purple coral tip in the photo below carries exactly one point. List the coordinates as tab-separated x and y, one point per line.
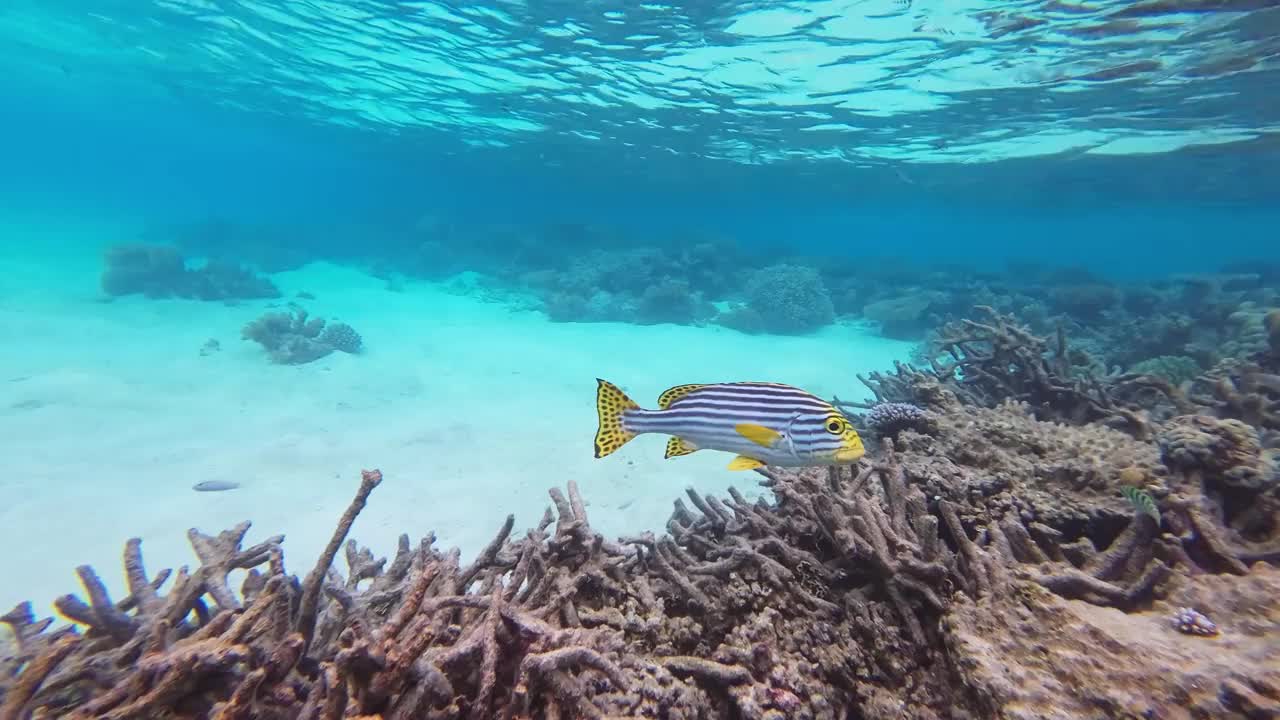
1192	622
890	417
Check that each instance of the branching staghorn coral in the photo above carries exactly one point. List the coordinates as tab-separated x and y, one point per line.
399	647
985	363
868	593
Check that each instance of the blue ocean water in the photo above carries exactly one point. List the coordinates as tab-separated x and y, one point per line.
507	198
1112	135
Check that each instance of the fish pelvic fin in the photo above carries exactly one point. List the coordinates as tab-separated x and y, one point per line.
758	434
673	394
678	446
611	405
742	462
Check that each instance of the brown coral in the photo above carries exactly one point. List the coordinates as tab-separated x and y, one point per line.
294	338
1271	321
1227	449
907	588
1031	655
994	360
1062	475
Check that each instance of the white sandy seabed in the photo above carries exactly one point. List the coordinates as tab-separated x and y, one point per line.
109	415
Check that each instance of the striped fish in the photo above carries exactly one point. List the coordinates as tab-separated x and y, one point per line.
1143	503
762	423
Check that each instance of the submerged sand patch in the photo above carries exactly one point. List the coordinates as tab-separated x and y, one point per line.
110	414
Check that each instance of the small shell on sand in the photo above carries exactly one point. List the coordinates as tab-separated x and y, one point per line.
215	486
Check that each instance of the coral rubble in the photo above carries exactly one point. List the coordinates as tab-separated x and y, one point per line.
294	338
984	564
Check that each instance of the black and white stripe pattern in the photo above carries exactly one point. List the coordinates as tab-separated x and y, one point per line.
708	417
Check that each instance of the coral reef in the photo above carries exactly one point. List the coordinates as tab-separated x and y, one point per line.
989	567
783	299
1176	369
1204	318
1216	433
579	272
1033	655
672	301
1064	476
1043	529
160	271
644	285
984	363
294	338
891	418
1244	389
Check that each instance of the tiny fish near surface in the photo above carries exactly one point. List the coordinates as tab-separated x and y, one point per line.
215	485
762	423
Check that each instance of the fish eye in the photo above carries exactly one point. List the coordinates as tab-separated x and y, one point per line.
834	426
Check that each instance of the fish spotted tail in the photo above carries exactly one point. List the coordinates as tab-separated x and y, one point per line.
611	404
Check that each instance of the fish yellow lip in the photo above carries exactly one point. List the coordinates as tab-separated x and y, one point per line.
850	454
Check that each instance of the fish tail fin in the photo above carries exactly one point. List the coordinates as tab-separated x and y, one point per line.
611	405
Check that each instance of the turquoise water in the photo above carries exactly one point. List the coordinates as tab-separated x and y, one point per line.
569	160
1095	134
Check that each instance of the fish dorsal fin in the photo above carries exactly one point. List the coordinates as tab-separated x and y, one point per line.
671	395
678	446
758	434
742	462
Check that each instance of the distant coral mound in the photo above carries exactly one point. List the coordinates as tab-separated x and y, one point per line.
903	317
160	271
294	338
672	301
642	285
783	299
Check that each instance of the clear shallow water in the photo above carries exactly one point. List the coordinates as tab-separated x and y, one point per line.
1133	139
357	153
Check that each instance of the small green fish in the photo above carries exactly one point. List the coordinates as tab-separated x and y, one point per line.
762	423
1142	501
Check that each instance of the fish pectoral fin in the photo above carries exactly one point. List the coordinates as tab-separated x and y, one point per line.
758	434
678	446
742	462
